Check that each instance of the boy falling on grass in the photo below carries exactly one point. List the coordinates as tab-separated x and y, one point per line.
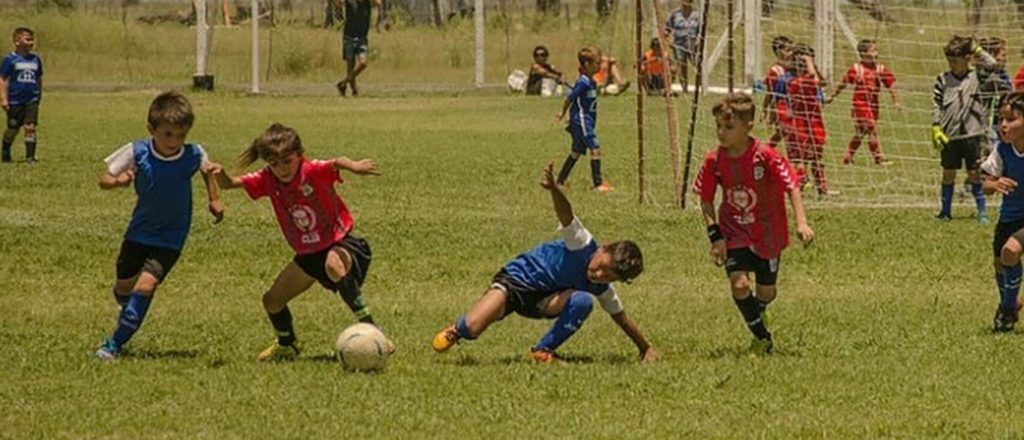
557	279
960	119
867	77
1004	169
161	168
750	229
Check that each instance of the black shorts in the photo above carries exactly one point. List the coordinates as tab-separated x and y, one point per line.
135	258
18	115
766	272
520	299
314	264
965	152
1003	232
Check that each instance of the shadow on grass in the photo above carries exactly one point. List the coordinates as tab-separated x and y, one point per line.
322	358
470	361
739	352
162	354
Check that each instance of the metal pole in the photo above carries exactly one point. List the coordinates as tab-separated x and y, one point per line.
731	62
255	21
638	50
478	19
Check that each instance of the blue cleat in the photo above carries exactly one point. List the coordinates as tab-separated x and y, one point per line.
108	351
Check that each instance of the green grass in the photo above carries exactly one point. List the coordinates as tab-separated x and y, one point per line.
881	325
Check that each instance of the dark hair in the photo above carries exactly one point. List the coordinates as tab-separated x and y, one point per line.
993	45
627	260
864	45
278	140
22	30
780	42
170	108
540	48
589	53
1014	99
803	50
655	42
958	46
736	104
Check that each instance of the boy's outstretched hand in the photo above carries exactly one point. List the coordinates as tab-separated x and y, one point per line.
547	180
364	167
806	234
649	356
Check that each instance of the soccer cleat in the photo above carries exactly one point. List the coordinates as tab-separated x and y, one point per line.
445	339
984	219
545	356
108	351
847	160
278	352
342	87
604	187
760	347
943	217
1005	320
883	162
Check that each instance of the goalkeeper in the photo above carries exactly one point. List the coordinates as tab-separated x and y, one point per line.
960	115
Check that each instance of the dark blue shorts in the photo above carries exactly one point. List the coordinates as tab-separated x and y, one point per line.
580	142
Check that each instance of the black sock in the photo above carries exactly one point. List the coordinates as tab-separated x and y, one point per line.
751	310
30	150
566	169
353	297
282	322
7	151
762	305
595	169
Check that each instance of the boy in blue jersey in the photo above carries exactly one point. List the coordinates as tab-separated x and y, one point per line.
557	279
161	168
1003	170
21	74
582	107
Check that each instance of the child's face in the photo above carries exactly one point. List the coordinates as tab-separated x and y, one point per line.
1000	56
540	57
732	132
870	56
284	167
601	268
959	65
24	42
1011	125
168	139
590	67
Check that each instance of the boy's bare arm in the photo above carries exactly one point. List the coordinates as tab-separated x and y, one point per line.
224	181
3	94
803	229
563	209
835	92
628	326
362	167
109	181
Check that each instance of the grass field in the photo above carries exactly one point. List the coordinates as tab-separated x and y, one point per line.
881	325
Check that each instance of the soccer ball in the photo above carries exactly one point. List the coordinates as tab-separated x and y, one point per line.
363	347
611	89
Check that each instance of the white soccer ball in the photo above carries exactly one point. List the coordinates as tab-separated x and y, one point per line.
363	347
611	89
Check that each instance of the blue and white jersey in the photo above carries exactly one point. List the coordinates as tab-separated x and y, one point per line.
1005	161
562	264
685	30
583	105
22	74
163	212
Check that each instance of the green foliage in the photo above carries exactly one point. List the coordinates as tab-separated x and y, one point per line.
881	325
63	6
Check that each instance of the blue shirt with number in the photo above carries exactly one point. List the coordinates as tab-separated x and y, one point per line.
163	212
583	104
22	74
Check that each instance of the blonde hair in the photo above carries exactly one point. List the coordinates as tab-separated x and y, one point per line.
277	141
735	105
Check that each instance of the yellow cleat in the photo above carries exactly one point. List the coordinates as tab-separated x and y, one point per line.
760	347
278	352
445	339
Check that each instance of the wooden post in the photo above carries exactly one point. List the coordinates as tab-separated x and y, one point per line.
751	41
732	59
670	110
638	50
696	99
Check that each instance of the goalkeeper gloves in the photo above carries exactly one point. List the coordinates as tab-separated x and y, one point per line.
939	139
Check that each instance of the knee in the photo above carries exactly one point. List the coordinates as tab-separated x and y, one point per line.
335	265
581	303
1010	255
145	286
30	129
271	303
741	288
766	293
574	155
595	153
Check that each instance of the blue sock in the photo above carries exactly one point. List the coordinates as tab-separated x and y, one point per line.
462	329
131	318
979	197
1010	287
121	300
571	319
947	200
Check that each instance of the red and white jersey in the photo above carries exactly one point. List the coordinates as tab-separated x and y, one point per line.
867	81
753	209
803	98
311	214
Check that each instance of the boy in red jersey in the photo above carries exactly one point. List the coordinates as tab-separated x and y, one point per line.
750	230
314	220
805	116
867	77
773	110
